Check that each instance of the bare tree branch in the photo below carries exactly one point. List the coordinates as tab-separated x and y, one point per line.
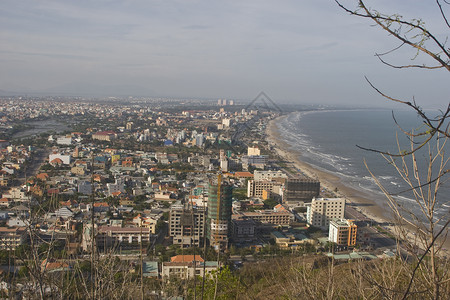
385	23
442	12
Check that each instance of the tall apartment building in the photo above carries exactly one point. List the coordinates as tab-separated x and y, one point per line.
300	190
187	225
343	232
219	214
321	211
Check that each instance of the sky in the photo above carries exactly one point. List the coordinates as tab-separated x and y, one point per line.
306	52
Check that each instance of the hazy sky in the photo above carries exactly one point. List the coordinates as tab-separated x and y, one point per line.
297	51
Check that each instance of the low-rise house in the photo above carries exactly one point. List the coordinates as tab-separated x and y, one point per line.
17	222
289	239
56	162
126	202
104	136
64	212
21	211
188	266
125	209
269	217
54	266
146	222
151	269
78	170
101	207
4	180
42	176
65	158
5	202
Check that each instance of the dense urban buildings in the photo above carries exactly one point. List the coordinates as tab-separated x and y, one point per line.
156	182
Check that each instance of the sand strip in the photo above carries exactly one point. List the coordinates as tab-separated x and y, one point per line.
362	200
327	180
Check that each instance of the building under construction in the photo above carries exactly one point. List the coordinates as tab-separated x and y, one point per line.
187	225
219	213
298	190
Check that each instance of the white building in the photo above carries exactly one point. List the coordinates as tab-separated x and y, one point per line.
65	158
224	165
226	123
342	232
64	212
253	151
185	266
256	188
16	194
64	140
322	210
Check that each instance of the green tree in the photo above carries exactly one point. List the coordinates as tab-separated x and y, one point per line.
222	284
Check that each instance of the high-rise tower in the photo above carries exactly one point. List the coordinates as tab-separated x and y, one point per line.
219	213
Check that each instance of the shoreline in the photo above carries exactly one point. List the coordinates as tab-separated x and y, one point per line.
327	180
357	198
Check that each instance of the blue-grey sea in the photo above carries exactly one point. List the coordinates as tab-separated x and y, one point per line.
327	140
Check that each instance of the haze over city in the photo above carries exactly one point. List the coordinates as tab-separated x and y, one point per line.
295	51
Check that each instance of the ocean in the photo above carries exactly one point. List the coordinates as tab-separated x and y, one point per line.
328	140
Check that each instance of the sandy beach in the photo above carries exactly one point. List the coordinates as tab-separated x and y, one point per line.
359	199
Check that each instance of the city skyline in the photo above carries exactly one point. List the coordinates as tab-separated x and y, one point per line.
302	53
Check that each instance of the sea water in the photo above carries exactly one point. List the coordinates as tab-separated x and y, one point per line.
329	140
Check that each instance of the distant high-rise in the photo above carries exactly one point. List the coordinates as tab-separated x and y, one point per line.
222	102
219	214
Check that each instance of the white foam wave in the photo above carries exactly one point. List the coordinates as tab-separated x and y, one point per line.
405	199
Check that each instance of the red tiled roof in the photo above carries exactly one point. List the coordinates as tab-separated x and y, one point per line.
57	161
109	132
186	258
